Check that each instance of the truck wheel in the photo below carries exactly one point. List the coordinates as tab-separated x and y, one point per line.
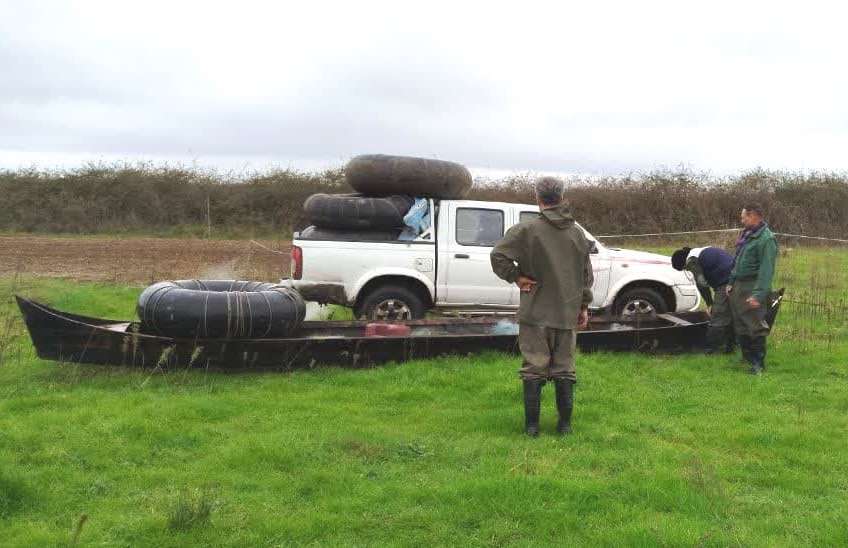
640	301
391	302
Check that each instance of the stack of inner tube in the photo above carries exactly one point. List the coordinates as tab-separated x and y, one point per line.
228	309
385	187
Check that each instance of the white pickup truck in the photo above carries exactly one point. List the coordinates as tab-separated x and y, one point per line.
447	268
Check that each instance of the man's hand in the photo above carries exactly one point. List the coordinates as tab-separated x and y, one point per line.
583	318
525	284
752	302
729	289
709	312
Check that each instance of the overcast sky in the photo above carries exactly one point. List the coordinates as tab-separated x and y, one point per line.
585	87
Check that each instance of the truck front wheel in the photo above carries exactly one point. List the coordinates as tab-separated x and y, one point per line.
391	303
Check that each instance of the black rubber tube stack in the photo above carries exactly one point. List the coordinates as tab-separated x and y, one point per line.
386	187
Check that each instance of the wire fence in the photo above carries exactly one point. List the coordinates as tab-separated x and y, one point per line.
719	231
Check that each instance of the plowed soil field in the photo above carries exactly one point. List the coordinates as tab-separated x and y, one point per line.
142	260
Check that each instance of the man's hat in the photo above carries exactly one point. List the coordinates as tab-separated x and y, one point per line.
678	258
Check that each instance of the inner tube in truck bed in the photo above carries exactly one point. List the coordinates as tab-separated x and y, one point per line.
353	211
382	175
338	235
227	309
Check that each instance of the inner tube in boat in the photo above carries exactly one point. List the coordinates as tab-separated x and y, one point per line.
228	309
352	211
338	235
382	175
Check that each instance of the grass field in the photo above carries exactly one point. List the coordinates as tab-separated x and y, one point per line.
669	450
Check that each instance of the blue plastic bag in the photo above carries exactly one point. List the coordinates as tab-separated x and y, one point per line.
417	220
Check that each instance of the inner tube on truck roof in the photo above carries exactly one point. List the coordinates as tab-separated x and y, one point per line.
383	175
228	309
352	211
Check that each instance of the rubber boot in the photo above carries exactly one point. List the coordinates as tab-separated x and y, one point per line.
532	405
758	355
745	346
729	340
565	404
714	340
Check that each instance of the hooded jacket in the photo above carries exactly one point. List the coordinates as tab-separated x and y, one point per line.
554	251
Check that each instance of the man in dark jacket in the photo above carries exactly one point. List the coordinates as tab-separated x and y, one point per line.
711	267
548	258
749	285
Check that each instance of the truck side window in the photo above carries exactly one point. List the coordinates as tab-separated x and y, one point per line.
525	216
479	227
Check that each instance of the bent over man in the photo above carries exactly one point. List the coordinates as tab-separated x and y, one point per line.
711	267
548	258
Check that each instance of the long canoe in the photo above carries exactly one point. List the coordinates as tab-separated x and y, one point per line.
67	337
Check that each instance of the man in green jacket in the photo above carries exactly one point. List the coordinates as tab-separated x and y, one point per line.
750	285
548	258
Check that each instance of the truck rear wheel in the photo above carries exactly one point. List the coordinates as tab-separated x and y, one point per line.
391	303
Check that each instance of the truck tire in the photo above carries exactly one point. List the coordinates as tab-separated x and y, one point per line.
391	303
356	212
639	301
225	309
339	235
382	175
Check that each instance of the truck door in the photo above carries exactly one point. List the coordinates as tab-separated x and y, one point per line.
464	256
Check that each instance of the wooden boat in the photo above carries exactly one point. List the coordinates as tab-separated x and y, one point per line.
66	337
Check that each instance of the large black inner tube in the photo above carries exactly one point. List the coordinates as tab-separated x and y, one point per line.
383	175
352	211
228	309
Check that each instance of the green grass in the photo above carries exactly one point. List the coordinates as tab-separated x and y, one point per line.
672	450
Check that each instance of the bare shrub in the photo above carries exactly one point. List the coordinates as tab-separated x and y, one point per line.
173	201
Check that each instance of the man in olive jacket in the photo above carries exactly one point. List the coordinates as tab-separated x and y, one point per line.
749	285
548	258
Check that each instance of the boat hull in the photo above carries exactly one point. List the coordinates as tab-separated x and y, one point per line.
72	338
